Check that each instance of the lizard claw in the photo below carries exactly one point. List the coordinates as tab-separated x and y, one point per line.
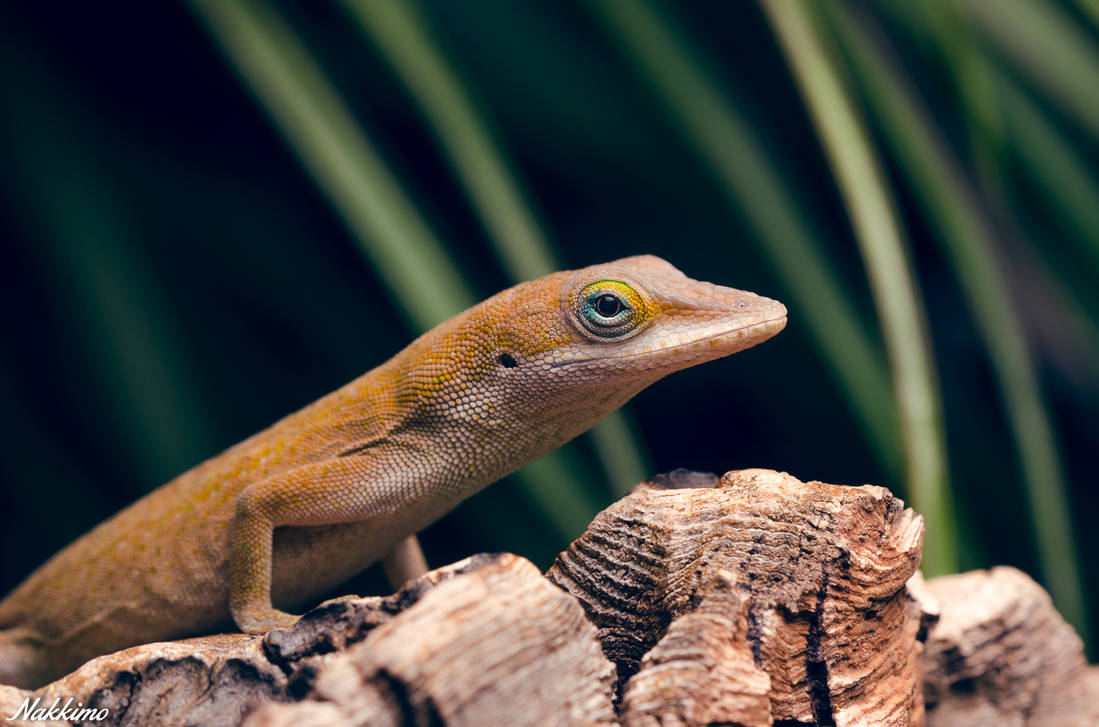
263	621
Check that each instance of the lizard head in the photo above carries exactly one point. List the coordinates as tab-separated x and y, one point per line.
540	363
635	319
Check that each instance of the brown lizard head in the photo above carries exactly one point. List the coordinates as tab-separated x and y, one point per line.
640	315
552	356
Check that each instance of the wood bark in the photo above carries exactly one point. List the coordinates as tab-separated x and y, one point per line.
751	600
211	680
1002	655
702	671
817	571
499	646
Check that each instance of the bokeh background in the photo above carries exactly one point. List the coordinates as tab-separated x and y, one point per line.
214	213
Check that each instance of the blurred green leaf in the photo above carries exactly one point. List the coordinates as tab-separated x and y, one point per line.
113	309
1064	179
1091	9
735	155
308	111
953	207
900	308
401	33
1049	48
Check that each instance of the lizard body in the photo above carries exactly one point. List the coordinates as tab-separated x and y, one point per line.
348	478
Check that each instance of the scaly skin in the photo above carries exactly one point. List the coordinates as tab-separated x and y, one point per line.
349	477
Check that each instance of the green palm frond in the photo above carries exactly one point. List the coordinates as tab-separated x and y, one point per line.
965	231
878	232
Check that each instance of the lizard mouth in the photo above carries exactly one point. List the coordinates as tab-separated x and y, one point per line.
753	332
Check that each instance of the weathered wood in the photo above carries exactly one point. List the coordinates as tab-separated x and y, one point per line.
497	646
212	680
1002	656
334	626
755	600
702	671
215	680
821	569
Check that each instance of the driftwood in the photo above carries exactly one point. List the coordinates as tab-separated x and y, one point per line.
813	575
753	600
446	660
209	680
1001	655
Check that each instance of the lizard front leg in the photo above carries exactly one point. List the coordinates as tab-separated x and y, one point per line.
323	493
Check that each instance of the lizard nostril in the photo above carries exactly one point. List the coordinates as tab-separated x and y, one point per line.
508	361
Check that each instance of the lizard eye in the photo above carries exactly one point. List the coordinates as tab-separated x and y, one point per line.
611	309
607	305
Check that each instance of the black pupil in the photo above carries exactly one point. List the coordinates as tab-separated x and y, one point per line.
608	306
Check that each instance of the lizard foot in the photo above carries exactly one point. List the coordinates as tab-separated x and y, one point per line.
339	599
258	621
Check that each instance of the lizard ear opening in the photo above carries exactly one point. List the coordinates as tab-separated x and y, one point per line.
507	361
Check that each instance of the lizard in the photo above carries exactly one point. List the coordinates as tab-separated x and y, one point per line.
290	513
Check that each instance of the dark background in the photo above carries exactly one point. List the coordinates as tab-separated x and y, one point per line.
175	281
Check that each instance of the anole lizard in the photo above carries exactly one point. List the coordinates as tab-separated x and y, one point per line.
348	479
